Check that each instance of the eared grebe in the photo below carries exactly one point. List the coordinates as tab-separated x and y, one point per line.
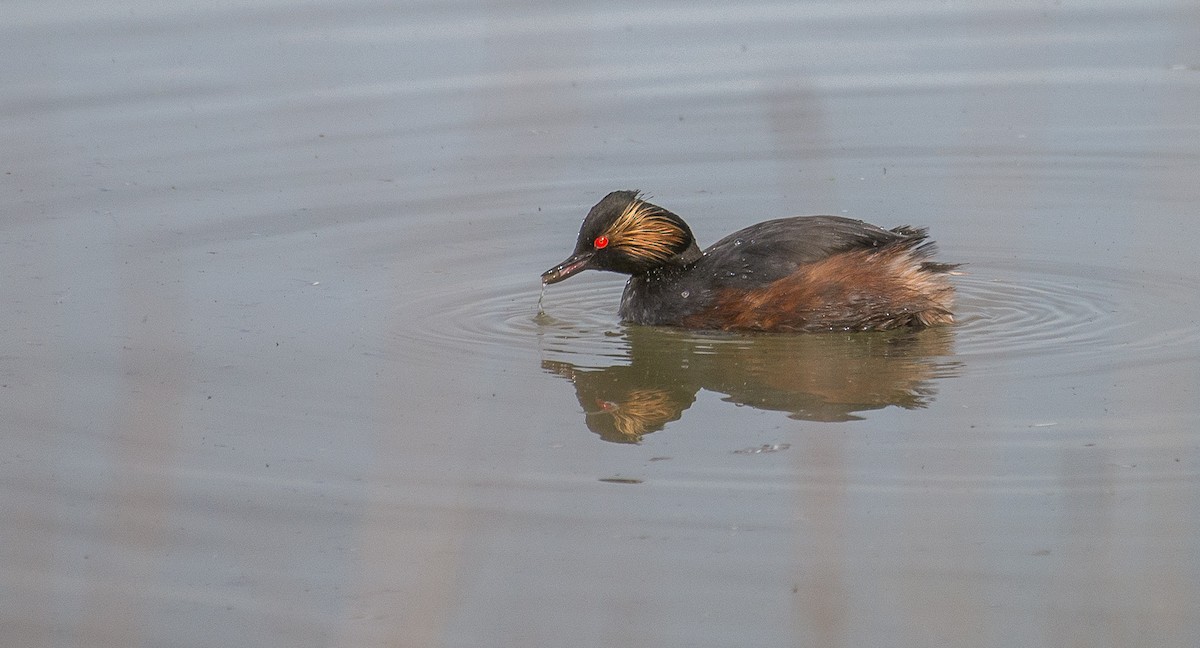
806	273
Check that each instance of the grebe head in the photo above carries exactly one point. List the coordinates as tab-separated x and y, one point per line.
623	233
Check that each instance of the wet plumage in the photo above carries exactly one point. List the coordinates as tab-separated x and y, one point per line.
808	273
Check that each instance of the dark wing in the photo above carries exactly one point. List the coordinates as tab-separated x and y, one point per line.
773	249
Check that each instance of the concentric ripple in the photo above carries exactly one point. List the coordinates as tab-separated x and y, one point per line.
1081	316
504	319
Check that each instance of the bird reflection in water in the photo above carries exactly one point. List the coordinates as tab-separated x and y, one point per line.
827	377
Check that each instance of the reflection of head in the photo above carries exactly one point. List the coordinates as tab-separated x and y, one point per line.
622	403
641	411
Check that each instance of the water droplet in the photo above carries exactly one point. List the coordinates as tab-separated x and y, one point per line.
737	241
685	294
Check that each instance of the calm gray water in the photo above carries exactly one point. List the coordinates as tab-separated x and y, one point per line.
273	371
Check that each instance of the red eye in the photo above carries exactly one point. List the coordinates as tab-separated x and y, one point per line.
601	242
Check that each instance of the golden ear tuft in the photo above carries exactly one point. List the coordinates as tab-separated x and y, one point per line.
646	231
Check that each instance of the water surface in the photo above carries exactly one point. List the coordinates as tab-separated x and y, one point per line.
274	371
